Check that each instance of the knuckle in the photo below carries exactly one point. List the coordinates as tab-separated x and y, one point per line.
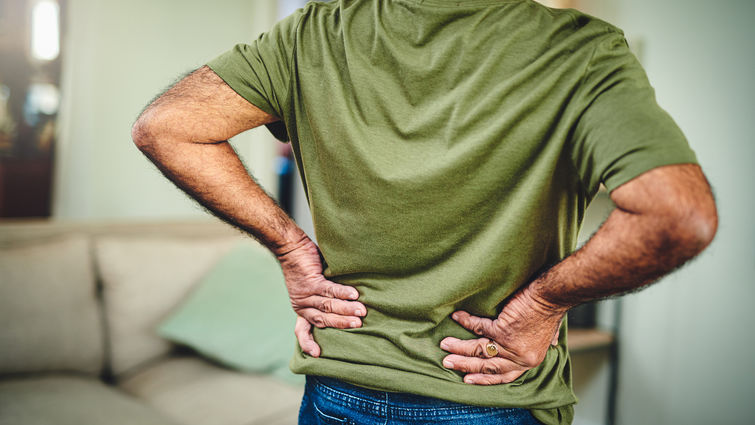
326	305
490	368
318	321
479	350
478	328
532	359
330	291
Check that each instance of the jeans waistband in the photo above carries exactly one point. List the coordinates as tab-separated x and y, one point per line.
395	404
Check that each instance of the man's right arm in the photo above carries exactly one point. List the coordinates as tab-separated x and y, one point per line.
663	218
184	132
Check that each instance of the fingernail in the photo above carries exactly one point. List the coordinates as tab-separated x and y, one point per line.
354	324
359	312
444	345
448	363
470	380
455	316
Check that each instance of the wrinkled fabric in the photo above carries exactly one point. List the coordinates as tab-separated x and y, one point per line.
448	150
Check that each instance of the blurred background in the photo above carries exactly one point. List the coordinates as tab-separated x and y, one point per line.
74	75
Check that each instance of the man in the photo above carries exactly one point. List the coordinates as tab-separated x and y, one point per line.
448	150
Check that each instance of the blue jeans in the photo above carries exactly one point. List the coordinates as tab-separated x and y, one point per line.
328	401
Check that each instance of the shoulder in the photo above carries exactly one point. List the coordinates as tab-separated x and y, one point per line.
568	30
321	10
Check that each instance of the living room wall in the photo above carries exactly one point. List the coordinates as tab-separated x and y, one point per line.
686	348
116	57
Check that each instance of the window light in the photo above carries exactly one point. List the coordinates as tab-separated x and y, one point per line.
45	30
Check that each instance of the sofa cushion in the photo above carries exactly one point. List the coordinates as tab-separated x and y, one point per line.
48	308
143	279
239	314
71	400
193	391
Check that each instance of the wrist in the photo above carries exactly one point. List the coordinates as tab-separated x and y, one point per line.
294	242
535	294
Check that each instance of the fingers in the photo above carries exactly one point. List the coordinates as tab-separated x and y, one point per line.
328	320
303	332
331	312
321	302
502	369
495	365
326	304
478	325
468	348
518	348
482	379
336	290
333	305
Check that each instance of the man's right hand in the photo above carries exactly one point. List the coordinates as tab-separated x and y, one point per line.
316	300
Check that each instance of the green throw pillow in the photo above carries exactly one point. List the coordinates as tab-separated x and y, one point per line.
239	315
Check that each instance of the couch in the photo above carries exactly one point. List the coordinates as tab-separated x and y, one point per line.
79	305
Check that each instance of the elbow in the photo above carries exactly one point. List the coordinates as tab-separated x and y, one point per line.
705	226
142	133
694	227
151	129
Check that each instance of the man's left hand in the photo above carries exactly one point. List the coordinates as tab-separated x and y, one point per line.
521	336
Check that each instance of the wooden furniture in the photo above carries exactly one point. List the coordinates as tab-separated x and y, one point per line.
581	340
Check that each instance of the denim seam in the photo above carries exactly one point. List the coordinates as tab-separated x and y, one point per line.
392	411
387	410
333	418
369	405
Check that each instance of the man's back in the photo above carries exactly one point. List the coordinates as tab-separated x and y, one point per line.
447	157
448	151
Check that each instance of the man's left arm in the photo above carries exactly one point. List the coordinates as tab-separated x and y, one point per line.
663	218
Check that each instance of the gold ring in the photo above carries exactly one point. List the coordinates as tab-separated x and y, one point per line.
491	349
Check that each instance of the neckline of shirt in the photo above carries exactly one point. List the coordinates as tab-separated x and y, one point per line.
464	3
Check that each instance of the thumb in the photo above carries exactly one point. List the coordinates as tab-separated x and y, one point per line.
303	332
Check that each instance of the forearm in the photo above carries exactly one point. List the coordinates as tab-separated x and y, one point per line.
213	174
638	243
625	254
184	132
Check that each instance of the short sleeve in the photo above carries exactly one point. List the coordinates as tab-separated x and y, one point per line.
621	131
261	71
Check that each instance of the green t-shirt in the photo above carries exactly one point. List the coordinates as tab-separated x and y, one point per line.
448	150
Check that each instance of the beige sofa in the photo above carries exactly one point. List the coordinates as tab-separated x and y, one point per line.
79	303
